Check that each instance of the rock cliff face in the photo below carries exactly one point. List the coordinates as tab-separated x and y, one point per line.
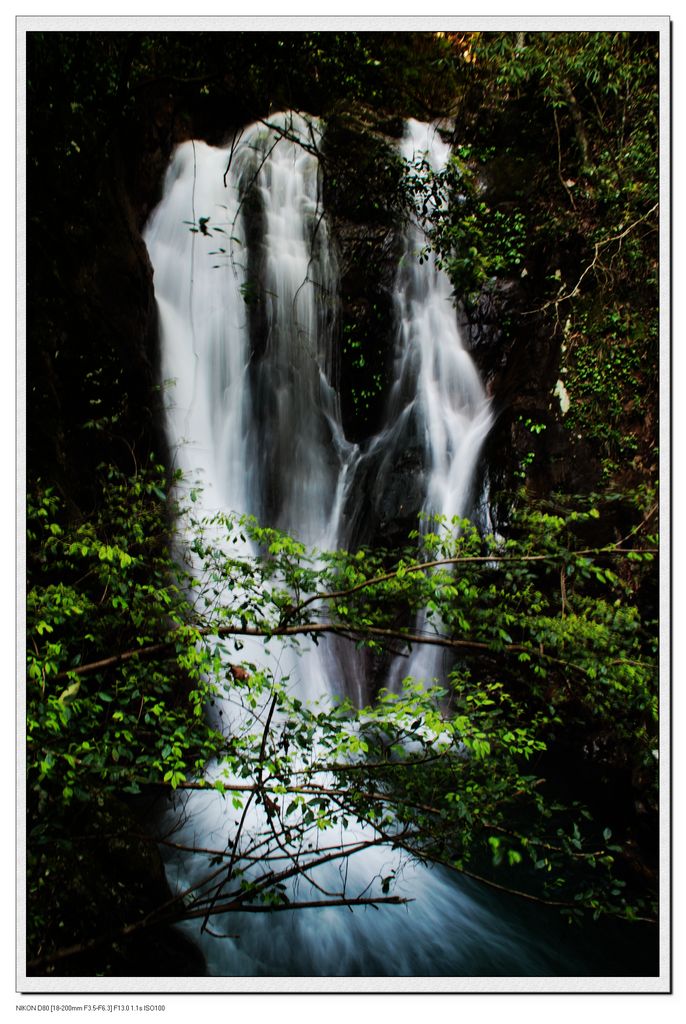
92	342
519	354
362	197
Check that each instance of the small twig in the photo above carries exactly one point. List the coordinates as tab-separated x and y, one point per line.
257	789
559	161
597	249
237	136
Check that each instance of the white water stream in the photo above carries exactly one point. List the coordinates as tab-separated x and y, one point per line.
253	414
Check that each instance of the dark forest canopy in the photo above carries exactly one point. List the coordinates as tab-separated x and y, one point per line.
547	226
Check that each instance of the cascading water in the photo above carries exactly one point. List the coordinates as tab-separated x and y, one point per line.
257	417
253	410
437	395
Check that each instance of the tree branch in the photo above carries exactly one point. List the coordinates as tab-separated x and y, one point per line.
597	248
128	930
258	788
350	631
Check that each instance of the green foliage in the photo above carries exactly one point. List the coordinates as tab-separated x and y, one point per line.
123	667
604	84
557	647
611	368
554	185
544	636
474	240
588	102
102	590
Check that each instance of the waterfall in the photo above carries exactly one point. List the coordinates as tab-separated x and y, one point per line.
258	417
435	378
424	459
437	400
246	283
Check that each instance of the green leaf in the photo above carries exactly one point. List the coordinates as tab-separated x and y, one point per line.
68	695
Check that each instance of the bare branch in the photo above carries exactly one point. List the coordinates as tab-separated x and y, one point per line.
257	789
598	247
559	161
